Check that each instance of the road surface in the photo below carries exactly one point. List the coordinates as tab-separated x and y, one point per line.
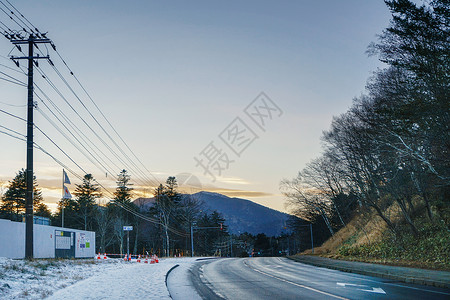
281	278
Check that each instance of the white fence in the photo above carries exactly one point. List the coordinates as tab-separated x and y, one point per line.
47	241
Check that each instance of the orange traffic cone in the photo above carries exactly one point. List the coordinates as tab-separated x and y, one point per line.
156	259
125	258
98	256
146	260
104	256
139	259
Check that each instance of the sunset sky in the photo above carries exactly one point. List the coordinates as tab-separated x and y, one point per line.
177	79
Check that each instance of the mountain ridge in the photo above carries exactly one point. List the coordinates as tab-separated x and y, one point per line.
241	215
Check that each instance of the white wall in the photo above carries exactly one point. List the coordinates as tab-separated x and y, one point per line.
12	240
11	245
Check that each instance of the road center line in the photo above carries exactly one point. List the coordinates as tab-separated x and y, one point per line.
296	284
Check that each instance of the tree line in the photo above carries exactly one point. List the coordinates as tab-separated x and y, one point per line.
161	225
388	154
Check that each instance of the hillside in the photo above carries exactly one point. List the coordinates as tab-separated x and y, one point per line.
241	215
367	238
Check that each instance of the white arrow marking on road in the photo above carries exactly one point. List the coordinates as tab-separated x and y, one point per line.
362	287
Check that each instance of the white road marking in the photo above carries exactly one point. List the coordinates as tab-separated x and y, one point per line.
405	286
361	287
296	284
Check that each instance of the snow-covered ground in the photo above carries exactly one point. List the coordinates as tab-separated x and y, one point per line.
88	279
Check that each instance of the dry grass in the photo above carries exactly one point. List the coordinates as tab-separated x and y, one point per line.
364	228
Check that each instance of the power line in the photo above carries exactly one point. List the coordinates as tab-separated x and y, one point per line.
16	132
121	205
16	137
12	13
11	17
78	114
23	17
16	33
103	115
134	167
11	81
12	115
13	78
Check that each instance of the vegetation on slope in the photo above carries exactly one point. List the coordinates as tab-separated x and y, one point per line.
383	180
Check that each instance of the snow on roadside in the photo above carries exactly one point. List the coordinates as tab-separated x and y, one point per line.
21	279
136	281
85	279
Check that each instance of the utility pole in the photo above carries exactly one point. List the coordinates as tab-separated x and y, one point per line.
192	235
231	245
192	241
312	239
32	40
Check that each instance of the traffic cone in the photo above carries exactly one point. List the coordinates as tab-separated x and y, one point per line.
152	261
146	260
98	256
129	257
125	258
156	259
104	256
139	259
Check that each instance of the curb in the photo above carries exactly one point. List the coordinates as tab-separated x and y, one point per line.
422	281
207	258
167	275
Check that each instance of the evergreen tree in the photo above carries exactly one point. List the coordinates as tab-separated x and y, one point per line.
13	201
167	200
86	194
123	191
122	205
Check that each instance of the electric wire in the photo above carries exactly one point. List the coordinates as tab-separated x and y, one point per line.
13	105
16	132
20	20
62	78
13	78
122	205
12	69
23	17
12	18
12	115
11	81
76	112
103	115
74	129
81	118
59	162
16	137
85	140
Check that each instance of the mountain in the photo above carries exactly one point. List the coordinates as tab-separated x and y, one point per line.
241	215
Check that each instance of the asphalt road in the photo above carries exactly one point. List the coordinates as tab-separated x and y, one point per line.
281	278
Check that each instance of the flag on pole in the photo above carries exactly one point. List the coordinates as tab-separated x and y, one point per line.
66	178
67	194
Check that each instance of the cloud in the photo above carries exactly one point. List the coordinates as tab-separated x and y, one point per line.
238	193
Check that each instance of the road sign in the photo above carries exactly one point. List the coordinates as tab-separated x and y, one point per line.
127	228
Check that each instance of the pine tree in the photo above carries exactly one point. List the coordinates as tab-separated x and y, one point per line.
13	201
86	194
123	191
